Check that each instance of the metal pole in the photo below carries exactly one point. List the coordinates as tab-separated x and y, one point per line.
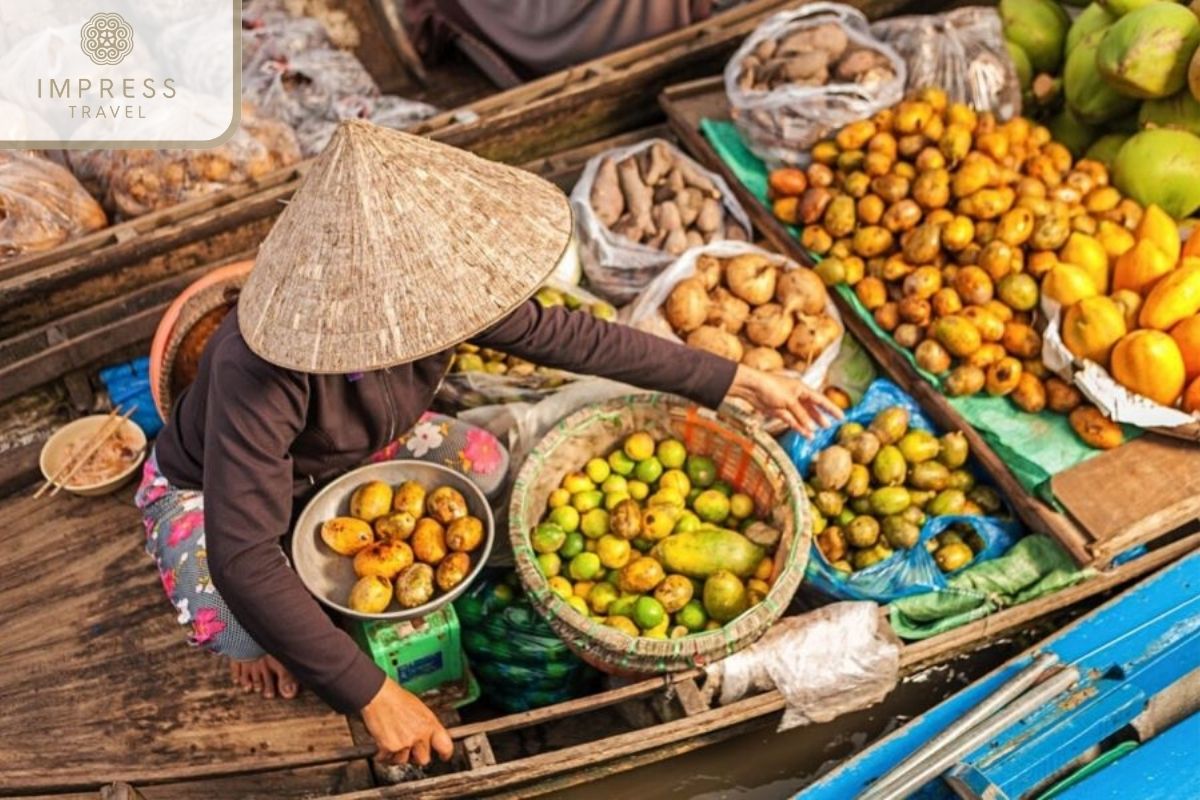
895	787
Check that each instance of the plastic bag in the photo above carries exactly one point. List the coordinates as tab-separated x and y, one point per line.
130	183
41	205
839	658
471	389
962	52
518	659
617	267
782	125
1033	567
905	572
645	312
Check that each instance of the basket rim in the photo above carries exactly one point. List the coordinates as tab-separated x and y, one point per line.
700	644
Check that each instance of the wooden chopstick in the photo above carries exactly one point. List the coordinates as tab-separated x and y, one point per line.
110	426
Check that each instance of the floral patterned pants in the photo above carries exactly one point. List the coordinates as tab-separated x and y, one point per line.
174	520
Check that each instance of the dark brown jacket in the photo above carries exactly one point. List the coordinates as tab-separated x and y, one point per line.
257	439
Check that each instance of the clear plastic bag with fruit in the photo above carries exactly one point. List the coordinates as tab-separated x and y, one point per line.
792	326
638	207
481	377
961	52
41	205
895	508
803	74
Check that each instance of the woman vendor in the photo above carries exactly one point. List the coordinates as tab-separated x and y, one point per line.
394	250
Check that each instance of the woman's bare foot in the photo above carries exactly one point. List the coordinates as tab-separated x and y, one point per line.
264	675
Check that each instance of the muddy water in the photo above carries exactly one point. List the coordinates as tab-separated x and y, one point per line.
763	765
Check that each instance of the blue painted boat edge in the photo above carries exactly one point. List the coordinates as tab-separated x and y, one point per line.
1087	640
1164	768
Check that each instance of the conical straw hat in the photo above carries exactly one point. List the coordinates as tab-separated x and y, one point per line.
396	247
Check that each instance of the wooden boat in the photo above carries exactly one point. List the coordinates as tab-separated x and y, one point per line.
1138	662
1094	528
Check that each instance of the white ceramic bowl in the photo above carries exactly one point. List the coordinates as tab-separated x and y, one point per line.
54	453
329	576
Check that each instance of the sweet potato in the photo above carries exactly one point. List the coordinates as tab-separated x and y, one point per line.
607	200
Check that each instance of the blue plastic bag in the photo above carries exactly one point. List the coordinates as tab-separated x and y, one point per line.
129	384
905	572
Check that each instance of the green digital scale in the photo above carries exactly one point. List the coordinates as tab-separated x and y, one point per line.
423	655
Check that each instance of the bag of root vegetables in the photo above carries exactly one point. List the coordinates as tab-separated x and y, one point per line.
637	208
483	377
732	298
962	52
803	74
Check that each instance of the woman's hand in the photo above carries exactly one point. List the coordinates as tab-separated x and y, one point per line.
787	399
404	728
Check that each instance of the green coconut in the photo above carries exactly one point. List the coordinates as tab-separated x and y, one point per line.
1039	27
1021	63
1088	94
1160	166
1179	112
1071	131
1145	54
1122	7
1105	148
1093	18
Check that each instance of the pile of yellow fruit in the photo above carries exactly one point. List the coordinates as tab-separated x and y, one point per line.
404	543
647	540
472	358
875	487
1138	314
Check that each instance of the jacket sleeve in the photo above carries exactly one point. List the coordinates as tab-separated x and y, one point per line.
578	342
255	411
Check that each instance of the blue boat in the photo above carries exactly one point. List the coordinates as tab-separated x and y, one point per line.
1108	707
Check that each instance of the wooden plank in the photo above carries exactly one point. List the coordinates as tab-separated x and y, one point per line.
1132	493
479	751
299	783
96	681
686	105
690	698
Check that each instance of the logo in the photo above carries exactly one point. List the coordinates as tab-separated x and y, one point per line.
106	39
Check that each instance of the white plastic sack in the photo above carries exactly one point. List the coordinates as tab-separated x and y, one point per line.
1114	400
616	267
839	658
782	125
962	52
646	312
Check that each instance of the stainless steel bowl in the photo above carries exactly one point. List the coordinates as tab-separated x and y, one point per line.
330	576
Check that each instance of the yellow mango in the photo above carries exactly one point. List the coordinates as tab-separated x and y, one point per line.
1174	298
1138	269
1115	239
1091	327
1159	227
1130	303
1187	335
1149	363
1067	284
1087	253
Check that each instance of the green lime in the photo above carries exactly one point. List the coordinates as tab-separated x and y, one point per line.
613	499
585	566
598	470
701	471
614	483
601	597
595	523
565	517
672	453
613	575
712	506
692	616
621	463
503	594
587	500
638	490
623	605
686	523
648	470
572	545
547	537
550	564
648	613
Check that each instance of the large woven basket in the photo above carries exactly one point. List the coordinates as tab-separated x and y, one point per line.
746	457
185	329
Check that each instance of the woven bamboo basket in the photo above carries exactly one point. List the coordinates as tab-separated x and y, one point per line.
185	329
746	457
